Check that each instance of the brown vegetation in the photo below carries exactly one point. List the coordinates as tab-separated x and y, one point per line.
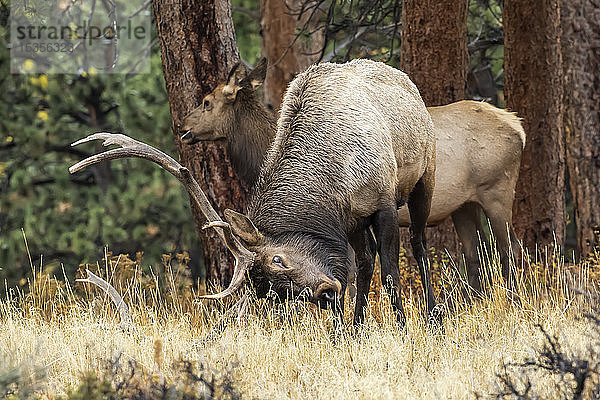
54	334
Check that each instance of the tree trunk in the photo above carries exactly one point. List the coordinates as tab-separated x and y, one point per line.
581	66
534	89
434	48
198	48
434	55
287	57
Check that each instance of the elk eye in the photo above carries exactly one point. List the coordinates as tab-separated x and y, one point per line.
279	261
206	103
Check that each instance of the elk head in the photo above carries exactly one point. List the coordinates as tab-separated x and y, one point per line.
291	265
217	112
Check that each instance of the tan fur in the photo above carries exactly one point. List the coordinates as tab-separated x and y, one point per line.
232	112
478	152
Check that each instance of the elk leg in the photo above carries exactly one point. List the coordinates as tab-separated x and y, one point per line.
365	247
467	221
499	214
387	235
419	203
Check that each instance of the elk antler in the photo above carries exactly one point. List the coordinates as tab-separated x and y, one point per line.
126	321
133	148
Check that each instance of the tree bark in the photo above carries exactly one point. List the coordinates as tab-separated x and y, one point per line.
434	48
287	55
534	89
198	47
581	66
434	54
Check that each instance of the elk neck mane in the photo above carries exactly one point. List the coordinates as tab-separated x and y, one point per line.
299	194
250	136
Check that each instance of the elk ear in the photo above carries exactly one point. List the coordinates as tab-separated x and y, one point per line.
256	77
243	228
234	81
230	92
237	74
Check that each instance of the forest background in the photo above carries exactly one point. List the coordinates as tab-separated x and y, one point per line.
50	218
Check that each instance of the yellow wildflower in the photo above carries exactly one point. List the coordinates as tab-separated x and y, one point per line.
28	65
44	81
43	115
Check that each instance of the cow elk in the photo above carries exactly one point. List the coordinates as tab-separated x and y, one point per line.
223	112
479	150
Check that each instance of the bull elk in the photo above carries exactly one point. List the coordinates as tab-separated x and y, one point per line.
353	142
479	151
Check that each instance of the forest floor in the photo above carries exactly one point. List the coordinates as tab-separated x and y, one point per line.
63	340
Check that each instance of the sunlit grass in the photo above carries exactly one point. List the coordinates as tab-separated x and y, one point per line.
54	332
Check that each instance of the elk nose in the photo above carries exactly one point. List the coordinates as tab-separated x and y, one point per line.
327	292
328	296
187	137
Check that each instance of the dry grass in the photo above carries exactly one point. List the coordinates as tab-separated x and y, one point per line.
53	334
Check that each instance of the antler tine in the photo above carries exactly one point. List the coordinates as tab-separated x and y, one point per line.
126	321
133	148
237	280
129	148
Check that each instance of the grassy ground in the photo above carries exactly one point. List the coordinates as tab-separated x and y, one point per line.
63	339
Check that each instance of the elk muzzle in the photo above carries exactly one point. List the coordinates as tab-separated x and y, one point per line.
327	293
188	138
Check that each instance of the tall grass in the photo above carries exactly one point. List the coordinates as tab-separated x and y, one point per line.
59	338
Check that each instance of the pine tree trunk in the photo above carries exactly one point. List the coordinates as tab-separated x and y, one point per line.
581	66
279	24
434	48
434	55
198	48
534	89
